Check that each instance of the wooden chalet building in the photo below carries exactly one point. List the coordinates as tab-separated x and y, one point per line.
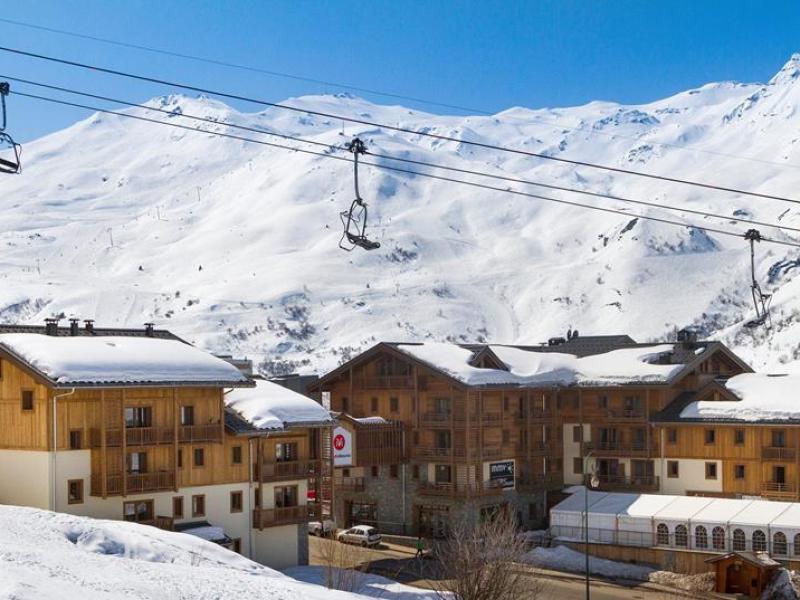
488	427
139	425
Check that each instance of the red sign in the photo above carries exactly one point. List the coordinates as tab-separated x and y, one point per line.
338	442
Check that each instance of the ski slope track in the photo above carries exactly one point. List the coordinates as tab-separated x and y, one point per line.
234	245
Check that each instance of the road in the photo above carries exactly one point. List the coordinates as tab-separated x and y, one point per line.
398	563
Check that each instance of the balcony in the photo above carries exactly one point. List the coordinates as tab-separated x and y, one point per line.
289	470
778	453
625	414
533	448
271	517
350	484
778	490
149	436
430	488
648	483
544	481
135	483
386	382
447	418
457	452
622	448
534	416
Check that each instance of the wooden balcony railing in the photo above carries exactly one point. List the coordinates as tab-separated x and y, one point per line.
617	482
136	483
458	452
778	453
350	484
535	448
447	418
283	471
430	488
773	488
625	414
390	382
148	436
622	448
537	482
270	517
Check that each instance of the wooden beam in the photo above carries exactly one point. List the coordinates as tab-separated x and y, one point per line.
260	463
124	444
176	416
103	445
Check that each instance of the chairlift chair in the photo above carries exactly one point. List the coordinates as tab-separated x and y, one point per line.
12	164
354	220
761	301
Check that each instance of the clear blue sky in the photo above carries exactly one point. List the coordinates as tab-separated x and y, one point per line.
487	55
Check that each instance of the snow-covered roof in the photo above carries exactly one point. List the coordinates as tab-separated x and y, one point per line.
529	367
370	420
207	532
269	406
761	397
118	360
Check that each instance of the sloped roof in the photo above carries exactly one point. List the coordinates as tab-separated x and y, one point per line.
271	407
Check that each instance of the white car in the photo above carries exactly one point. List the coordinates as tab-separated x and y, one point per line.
363	535
320	528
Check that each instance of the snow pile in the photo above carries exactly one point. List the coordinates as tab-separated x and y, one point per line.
367	585
118	359
528	367
762	396
272	406
52	555
562	558
701	582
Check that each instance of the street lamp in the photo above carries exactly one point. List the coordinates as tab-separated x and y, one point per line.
589	480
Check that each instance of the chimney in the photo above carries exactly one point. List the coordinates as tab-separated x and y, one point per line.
88	325
148	330
51	326
687	335
73	326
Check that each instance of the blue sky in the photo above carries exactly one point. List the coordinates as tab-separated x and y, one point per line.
486	55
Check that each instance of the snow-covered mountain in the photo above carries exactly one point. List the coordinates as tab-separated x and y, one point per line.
234	245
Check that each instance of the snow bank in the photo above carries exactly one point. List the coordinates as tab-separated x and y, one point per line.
366	584
272	406
562	558
762	396
528	367
52	555
118	359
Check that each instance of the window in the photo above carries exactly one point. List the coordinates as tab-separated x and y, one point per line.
738	472
711	436
177	507
577	465
27	399
700	537
577	434
711	470
138	416
394	471
672	468
237	545
75	439
139	511
199	457
285	496
415	471
718	538
602	402
759	541
180	459
672	435
506	436
374	405
442	473
415	438
778	438
236	502
779	545
257	496
739	544
137	462
374	471
394	405
442	406
236	455
187	415
738	437
199	505
662	534
286	452
345	404
681	536
75	491
443	439
345	472
796	550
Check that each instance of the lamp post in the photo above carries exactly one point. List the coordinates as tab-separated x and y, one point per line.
587	482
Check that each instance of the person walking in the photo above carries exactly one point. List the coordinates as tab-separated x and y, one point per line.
420	547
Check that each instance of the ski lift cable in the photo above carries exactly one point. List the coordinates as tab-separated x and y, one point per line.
385	167
407	160
397	128
554	125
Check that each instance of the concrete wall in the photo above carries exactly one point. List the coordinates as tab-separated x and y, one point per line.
691	476
572	450
25	478
277	547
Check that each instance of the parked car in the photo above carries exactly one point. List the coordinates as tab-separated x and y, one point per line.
363	535
320	528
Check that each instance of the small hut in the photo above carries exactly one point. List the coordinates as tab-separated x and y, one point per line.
747	573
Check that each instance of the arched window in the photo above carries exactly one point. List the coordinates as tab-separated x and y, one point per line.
681	536
700	537
662	535
759	541
739	544
797	544
779	544
718	538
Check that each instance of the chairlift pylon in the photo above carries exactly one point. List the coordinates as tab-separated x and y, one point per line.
761	301
11	165
354	220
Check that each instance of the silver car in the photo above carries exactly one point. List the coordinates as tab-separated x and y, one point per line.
363	535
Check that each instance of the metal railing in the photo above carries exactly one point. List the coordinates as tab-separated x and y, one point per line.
778	453
775	488
270	517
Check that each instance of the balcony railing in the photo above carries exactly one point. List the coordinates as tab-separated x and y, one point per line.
135	483
430	488
774	488
539	482
282	471
350	484
446	418
148	436
458	452
622	448
391	382
270	517
616	482
778	453
625	414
